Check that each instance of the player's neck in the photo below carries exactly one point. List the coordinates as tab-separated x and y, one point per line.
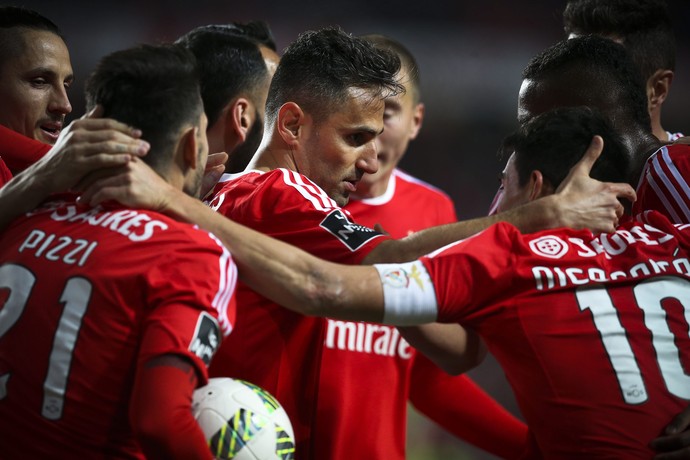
268	159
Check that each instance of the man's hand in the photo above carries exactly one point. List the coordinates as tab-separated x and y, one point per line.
583	202
675	442
134	185
85	145
215	167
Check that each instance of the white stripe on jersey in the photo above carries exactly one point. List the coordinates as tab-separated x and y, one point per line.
226	287
675	185
310	191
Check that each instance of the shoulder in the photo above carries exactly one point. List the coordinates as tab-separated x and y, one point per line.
281	189
407	180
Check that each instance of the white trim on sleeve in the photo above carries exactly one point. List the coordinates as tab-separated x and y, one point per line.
408	294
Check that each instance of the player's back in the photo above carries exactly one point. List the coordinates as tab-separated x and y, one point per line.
83	283
591	331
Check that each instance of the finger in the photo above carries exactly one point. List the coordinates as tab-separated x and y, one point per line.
622	191
95	112
103	189
98	174
590	156
216	159
125	145
94	124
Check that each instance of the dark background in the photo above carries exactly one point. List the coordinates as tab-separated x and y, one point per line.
471	55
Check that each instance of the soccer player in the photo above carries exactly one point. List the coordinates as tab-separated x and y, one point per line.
324	112
402	205
236	62
111	314
644	28
589	329
563	75
35	74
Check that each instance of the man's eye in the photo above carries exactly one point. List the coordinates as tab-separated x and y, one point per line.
357	138
39	81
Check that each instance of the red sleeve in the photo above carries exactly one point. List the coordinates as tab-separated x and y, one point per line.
18	151
460	406
5	174
664	184
160	411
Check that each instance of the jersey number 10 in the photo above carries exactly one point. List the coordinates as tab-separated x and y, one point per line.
648	297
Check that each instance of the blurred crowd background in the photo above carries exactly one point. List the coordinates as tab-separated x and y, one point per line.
471	55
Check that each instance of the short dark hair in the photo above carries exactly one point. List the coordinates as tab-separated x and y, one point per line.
608	72
259	31
555	141
13	16
229	63
644	27
154	88
12	20
408	62
319	67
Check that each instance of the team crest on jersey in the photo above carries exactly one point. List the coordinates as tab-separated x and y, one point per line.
206	338
350	234
549	246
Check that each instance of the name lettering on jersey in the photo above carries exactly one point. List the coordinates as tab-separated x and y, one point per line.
350	234
367	338
135	225
610	245
553	247
58	248
206	338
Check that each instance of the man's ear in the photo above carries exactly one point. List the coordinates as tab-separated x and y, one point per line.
658	86
291	119
538	187
417	119
190	147
242	114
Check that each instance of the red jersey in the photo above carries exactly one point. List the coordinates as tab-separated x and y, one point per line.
5	174
79	288
592	332
271	346
365	368
18	151
665	184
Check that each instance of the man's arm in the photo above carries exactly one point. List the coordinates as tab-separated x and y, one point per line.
283	273
160	410
580	202
450	346
86	144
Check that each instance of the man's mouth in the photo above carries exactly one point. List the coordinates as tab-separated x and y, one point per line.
351	184
51	130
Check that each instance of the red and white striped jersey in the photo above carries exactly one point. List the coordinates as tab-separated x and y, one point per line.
665	184
275	348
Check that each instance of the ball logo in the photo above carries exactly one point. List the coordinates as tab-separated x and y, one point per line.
549	246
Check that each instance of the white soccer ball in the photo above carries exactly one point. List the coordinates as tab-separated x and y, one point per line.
242	421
